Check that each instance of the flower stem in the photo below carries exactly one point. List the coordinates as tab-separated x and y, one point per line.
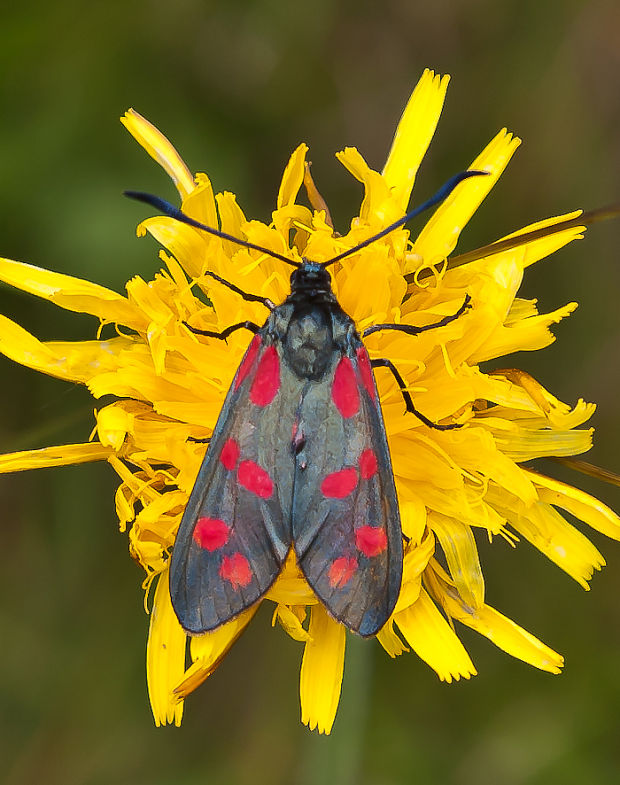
338	757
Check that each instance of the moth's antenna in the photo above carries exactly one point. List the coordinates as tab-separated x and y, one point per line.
443	193
174	212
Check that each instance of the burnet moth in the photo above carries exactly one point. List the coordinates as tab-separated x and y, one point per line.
298	459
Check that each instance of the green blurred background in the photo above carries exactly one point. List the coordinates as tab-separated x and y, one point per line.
236	86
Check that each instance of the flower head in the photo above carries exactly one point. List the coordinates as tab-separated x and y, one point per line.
169	387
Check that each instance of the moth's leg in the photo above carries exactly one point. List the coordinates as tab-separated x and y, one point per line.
251	298
385	363
199	441
411	330
254	328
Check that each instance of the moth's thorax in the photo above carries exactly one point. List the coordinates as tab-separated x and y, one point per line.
309	342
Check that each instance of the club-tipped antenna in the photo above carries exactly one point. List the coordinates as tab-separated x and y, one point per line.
443	193
175	212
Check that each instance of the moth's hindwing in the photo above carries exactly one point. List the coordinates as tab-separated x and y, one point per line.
235	532
346	525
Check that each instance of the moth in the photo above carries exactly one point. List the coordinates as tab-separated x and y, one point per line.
298	460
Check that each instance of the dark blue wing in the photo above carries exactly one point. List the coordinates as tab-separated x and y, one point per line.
235	532
345	522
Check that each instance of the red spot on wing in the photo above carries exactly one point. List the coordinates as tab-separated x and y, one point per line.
368	464
230	454
344	389
341	571
370	540
248	361
236	570
337	485
363	361
266	383
255	479
211	533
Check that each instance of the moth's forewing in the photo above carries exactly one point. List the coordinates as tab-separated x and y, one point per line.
346	524
234	535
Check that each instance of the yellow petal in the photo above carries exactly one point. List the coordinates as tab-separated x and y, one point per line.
413	518
439	237
291	588
414	563
528	335
560	415
22	347
413	135
390	641
296	217
64	455
477	451
433	640
503	632
293	177
291	623
232	220
321	671
507	635
184	242
523	401
149	555
513	639
535	250
529	250
160	149
165	657
526	443
73	294
200	203
114	422
376	190
583	506
209	649
547	530
459	547
77	361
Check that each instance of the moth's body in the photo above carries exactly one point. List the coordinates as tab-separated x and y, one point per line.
298	459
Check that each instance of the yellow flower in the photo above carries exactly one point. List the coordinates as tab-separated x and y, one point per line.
170	386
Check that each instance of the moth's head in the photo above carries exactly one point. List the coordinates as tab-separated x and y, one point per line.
311	278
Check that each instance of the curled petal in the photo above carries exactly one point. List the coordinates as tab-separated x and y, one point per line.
160	149
291	622
376	190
